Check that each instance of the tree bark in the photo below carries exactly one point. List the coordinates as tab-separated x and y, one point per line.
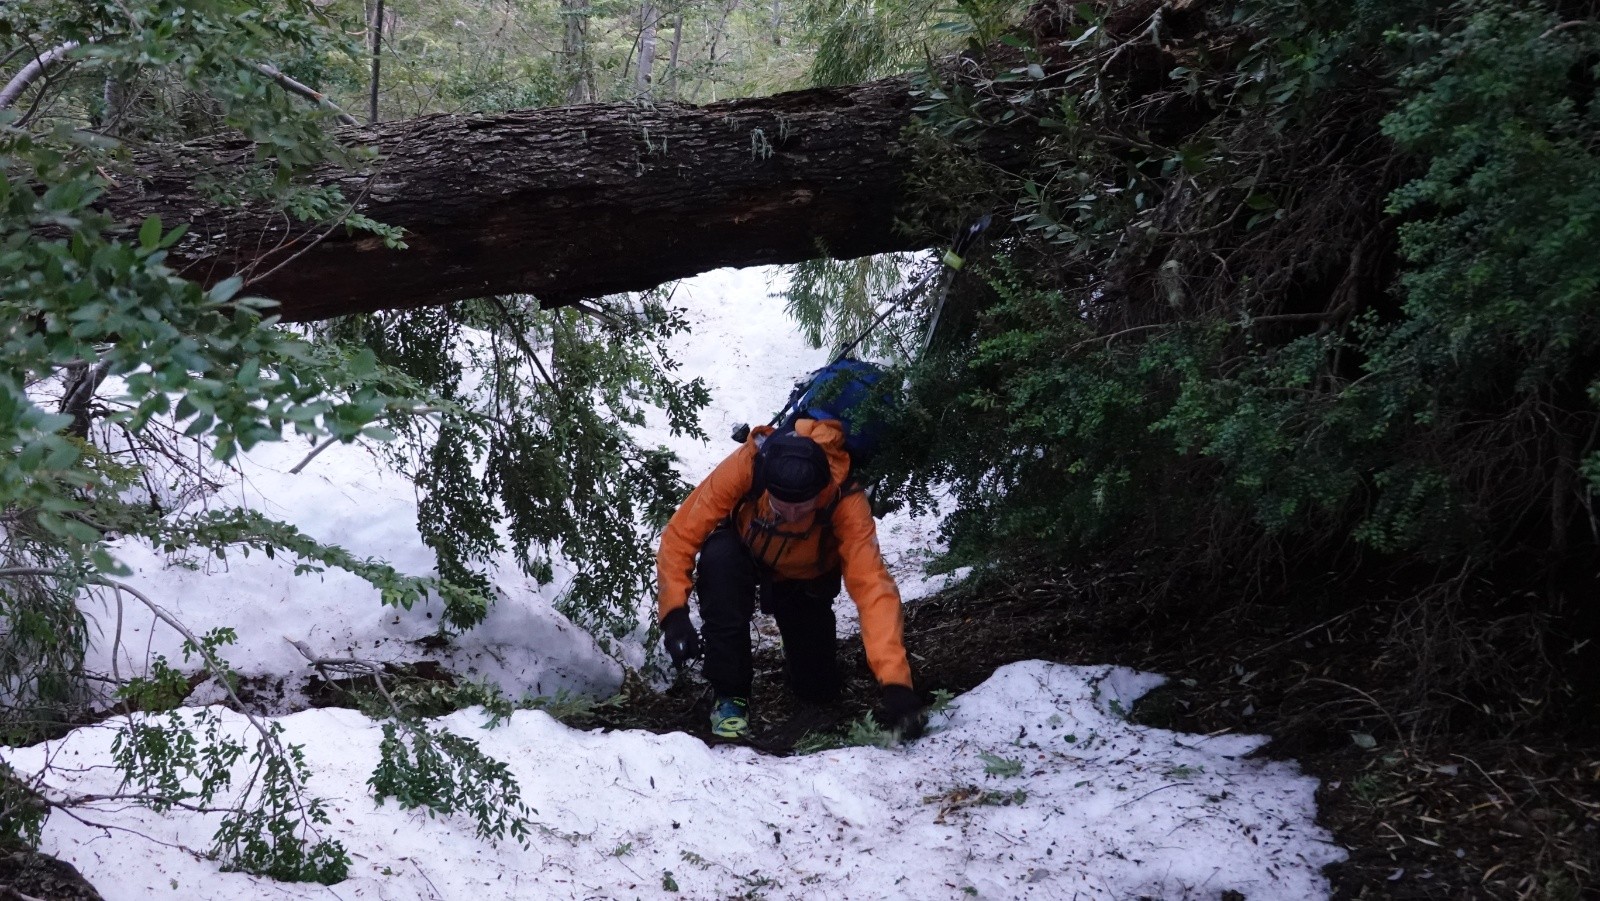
580	201
564	204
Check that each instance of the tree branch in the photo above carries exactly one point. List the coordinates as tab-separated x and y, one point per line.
161	613
31	72
218	671
522	341
43	61
311	94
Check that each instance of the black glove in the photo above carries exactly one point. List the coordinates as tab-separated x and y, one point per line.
679	636
902	712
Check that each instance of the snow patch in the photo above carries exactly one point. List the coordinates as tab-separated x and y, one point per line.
1030	787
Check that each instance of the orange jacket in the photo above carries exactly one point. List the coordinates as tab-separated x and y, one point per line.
800	556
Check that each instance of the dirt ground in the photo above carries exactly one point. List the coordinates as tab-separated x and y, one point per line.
1455	816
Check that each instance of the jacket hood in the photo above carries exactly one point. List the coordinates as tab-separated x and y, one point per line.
828	434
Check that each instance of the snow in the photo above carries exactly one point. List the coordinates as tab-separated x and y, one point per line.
1033	785
347	498
1099	808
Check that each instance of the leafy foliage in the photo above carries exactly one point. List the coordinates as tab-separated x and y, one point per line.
41	653
22	813
547	427
421	766
837	302
113	361
1289	290
861	41
119	368
273	827
997	765
1100	391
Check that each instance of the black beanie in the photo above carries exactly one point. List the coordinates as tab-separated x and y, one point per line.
794	469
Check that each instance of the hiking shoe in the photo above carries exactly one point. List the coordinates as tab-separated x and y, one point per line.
730	718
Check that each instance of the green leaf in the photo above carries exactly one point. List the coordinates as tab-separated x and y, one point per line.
54	422
1260	201
107	565
995	765
172	237
62	455
150	233
223	291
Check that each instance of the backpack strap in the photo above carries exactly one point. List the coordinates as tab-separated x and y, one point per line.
848	487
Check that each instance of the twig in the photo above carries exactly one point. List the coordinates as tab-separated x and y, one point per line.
295	87
1326	316
350	208
43	61
596	312
141	797
1393	723
116	642
350	665
19	572
1296	637
1151	792
161	613
1113	335
1475	765
414	411
1153	30
313	455
6	60
522	341
38	99
436	892
1564	26
338	220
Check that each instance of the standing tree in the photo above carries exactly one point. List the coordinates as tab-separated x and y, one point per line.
375	34
644	72
577	63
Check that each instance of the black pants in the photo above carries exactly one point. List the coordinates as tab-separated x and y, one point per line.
726	582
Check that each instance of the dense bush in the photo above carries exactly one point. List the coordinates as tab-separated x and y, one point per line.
1292	290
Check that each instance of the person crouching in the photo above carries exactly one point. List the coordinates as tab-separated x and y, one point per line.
781	518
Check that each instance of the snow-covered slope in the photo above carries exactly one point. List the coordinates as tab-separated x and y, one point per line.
1032	786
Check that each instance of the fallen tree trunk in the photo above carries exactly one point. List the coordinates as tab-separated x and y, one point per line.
581	201
561	203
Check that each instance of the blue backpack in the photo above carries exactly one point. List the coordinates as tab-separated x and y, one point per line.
856	393
861	397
